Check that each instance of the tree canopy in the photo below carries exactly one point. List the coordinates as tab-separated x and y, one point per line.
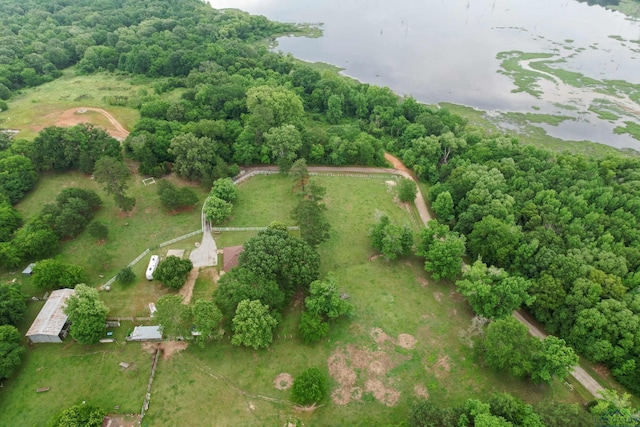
11	351
173	271
253	325
87	315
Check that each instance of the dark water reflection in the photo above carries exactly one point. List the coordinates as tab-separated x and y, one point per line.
445	50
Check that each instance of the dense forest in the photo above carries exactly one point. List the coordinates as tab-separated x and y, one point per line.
567	224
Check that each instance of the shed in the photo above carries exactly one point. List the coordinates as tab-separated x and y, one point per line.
231	255
50	321
28	271
145	333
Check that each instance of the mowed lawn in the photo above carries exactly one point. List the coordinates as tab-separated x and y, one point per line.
395	304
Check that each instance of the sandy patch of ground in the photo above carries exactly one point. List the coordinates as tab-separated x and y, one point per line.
359	370
406	341
423	282
379	336
421	391
438	296
75	116
374	257
168	348
283	381
187	289
126	420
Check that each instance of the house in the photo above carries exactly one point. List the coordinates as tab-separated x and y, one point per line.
50	322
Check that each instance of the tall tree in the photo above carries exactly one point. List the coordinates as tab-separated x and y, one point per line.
253	325
206	319
300	173
173	271
113	174
173	316
391	240
442	249
87	315
284	142
12	304
11	351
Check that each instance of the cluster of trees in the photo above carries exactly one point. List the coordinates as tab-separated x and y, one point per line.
219	204
179	320
12	310
309	212
500	410
73	209
176	199
272	268
55	274
80	415
87	314
391	240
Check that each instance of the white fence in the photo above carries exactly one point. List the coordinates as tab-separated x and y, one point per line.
177	239
218	229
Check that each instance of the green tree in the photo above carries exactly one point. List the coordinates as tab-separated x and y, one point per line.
492	292
17	177
552	359
173	271
514	410
253	325
12	304
613	409
10	220
113	174
126	276
334	108
442	250
443	207
391	240
300	173
216	209
206	320
174	198
312	327
508	346
80	415
241	283
194	157
310	387
271	107
55	274
98	230
284	142
225	189
11	351
407	190
314	227
173	316
87	315
325	300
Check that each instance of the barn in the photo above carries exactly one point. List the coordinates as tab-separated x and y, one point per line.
50	322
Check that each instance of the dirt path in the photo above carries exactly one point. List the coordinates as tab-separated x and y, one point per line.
578	373
75	115
187	289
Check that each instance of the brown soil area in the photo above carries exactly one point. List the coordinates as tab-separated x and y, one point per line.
406	341
168	348
126	420
438	296
78	115
379	336
421	391
283	381
187	289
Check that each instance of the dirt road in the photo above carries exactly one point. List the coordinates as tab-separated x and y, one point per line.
75	115
578	373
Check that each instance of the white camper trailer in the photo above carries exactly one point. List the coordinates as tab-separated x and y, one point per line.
153	263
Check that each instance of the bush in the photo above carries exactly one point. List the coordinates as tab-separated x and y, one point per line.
79	416
173	271
312	328
225	189
309	387
407	190
126	276
98	230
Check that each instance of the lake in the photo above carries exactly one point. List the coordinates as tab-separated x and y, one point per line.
447	51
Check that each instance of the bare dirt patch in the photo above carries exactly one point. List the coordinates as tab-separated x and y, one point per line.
423	282
406	341
438	296
385	395
168	348
283	381
379	336
94	116
125	420
421	391
374	257
187	289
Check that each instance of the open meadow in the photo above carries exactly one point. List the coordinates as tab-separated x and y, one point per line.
406	339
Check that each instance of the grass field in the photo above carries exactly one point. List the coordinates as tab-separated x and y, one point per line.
40	107
403	340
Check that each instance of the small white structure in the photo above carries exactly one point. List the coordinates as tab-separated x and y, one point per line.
28	271
153	264
146	333
152	308
50	321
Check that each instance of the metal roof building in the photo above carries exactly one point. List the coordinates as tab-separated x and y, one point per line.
51	319
146	333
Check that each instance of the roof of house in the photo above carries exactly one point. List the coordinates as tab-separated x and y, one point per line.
146	333
231	255
51	318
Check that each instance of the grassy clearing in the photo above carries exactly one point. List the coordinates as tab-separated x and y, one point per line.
396	297
40	107
75	373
